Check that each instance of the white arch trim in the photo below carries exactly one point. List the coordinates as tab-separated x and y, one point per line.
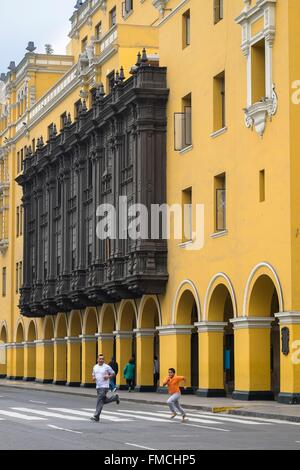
20	321
230	288
4	324
144	300
196	295
121	309
60	316
85	317
73	313
102	313
278	286
47	318
32	320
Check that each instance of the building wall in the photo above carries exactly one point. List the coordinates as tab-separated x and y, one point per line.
247	273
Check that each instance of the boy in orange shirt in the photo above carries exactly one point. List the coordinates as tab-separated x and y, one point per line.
173	388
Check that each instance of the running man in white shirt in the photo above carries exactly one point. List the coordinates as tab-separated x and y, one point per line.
101	374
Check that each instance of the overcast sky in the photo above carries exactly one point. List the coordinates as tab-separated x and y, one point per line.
41	21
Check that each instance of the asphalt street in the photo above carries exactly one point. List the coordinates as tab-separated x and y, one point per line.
35	420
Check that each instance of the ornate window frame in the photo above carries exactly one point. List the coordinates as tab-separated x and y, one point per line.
256	114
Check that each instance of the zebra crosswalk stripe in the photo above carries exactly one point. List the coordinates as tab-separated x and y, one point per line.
203	421
12	414
192	417
49	414
131	415
88	415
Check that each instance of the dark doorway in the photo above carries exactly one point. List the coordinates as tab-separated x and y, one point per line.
194	350
228	348
275	348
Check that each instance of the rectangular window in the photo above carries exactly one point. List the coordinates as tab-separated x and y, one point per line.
20	275
21	160
220	202
187	215
110	81
262	186
127	7
84	43
21	219
63	120
50	130
183	124
18	221
76	108
3	282
113	17
17	278
218	10
258	71
98	31
18	162
23	154
186	29
33	145
219	116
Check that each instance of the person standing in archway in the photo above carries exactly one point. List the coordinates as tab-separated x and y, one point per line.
156	371
129	372
115	367
172	381
102	373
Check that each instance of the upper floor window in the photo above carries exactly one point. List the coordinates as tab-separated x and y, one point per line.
183	124
220	202
3	282
98	30
258	71
218	10
113	17
187	200
127	7
219	102
186	29
84	43
110	81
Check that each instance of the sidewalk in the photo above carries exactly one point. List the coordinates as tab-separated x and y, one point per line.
262	409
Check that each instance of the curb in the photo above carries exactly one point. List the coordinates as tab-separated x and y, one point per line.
230	410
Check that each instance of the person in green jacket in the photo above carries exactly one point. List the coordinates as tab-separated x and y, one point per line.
129	371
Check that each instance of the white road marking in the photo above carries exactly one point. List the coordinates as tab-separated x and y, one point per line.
11	414
267	420
62	429
204	421
88	415
50	415
207	427
141	447
38	402
145	418
225	418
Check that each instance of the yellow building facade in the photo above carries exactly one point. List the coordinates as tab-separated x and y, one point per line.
229	319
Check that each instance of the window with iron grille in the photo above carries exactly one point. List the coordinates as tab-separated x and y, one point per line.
183	125
220	202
